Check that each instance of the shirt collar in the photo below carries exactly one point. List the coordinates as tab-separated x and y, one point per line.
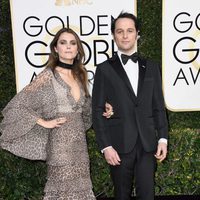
119	53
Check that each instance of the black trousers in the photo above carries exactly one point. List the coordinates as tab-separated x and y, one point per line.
139	166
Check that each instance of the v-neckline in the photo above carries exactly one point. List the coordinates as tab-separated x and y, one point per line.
65	84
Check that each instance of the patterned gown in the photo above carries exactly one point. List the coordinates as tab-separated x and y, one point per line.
63	148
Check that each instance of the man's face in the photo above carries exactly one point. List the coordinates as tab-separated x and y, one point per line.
125	35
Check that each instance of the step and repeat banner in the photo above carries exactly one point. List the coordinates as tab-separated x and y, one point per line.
180	55
34	23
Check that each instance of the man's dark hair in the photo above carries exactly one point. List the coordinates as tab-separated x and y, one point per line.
125	15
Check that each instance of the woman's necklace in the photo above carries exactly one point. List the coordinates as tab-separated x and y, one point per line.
65	65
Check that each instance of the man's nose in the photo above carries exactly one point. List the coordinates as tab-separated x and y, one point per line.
125	35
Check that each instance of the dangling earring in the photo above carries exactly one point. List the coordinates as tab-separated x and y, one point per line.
56	55
78	56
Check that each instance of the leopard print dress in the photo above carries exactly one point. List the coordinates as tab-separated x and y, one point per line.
63	148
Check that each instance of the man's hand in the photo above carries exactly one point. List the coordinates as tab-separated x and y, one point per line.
111	156
161	151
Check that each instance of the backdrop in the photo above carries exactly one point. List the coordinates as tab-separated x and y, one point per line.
178	175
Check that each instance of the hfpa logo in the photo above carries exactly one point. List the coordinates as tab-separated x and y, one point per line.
72	2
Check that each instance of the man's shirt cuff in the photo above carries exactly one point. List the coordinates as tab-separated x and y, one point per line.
163	140
105	148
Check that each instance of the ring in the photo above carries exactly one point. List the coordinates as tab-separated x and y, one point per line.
58	120
111	113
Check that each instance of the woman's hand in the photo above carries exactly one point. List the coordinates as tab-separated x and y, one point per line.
52	123
109	110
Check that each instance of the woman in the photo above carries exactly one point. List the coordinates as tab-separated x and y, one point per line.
47	120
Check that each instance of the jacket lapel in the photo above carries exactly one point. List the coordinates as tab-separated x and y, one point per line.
142	70
117	66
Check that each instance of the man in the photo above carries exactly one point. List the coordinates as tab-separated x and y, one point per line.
136	134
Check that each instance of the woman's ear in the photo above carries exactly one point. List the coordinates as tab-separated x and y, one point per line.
55	49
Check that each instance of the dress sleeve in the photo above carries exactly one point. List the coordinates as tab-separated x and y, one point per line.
22	112
87	113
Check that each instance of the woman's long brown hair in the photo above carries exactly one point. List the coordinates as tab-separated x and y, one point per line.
78	70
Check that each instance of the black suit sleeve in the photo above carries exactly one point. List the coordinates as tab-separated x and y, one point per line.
159	111
98	107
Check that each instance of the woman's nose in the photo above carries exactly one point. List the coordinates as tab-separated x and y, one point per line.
68	46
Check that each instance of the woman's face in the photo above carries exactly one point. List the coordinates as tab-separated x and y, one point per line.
67	48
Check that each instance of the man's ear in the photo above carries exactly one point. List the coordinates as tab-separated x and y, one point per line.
138	35
113	36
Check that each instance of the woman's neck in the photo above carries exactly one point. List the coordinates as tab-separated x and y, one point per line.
65	65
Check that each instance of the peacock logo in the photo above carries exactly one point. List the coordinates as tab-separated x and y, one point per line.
73	2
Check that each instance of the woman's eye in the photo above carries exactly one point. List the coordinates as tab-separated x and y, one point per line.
62	42
73	43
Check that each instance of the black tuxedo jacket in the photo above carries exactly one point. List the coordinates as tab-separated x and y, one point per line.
143	116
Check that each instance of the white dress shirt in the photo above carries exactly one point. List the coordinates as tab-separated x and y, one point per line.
132	71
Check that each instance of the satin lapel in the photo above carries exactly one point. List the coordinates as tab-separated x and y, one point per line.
117	66
142	70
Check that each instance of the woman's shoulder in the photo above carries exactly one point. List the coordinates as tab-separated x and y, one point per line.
46	73
44	78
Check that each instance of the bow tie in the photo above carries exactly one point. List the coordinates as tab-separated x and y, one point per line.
133	57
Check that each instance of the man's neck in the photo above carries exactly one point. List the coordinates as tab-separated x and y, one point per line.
126	53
